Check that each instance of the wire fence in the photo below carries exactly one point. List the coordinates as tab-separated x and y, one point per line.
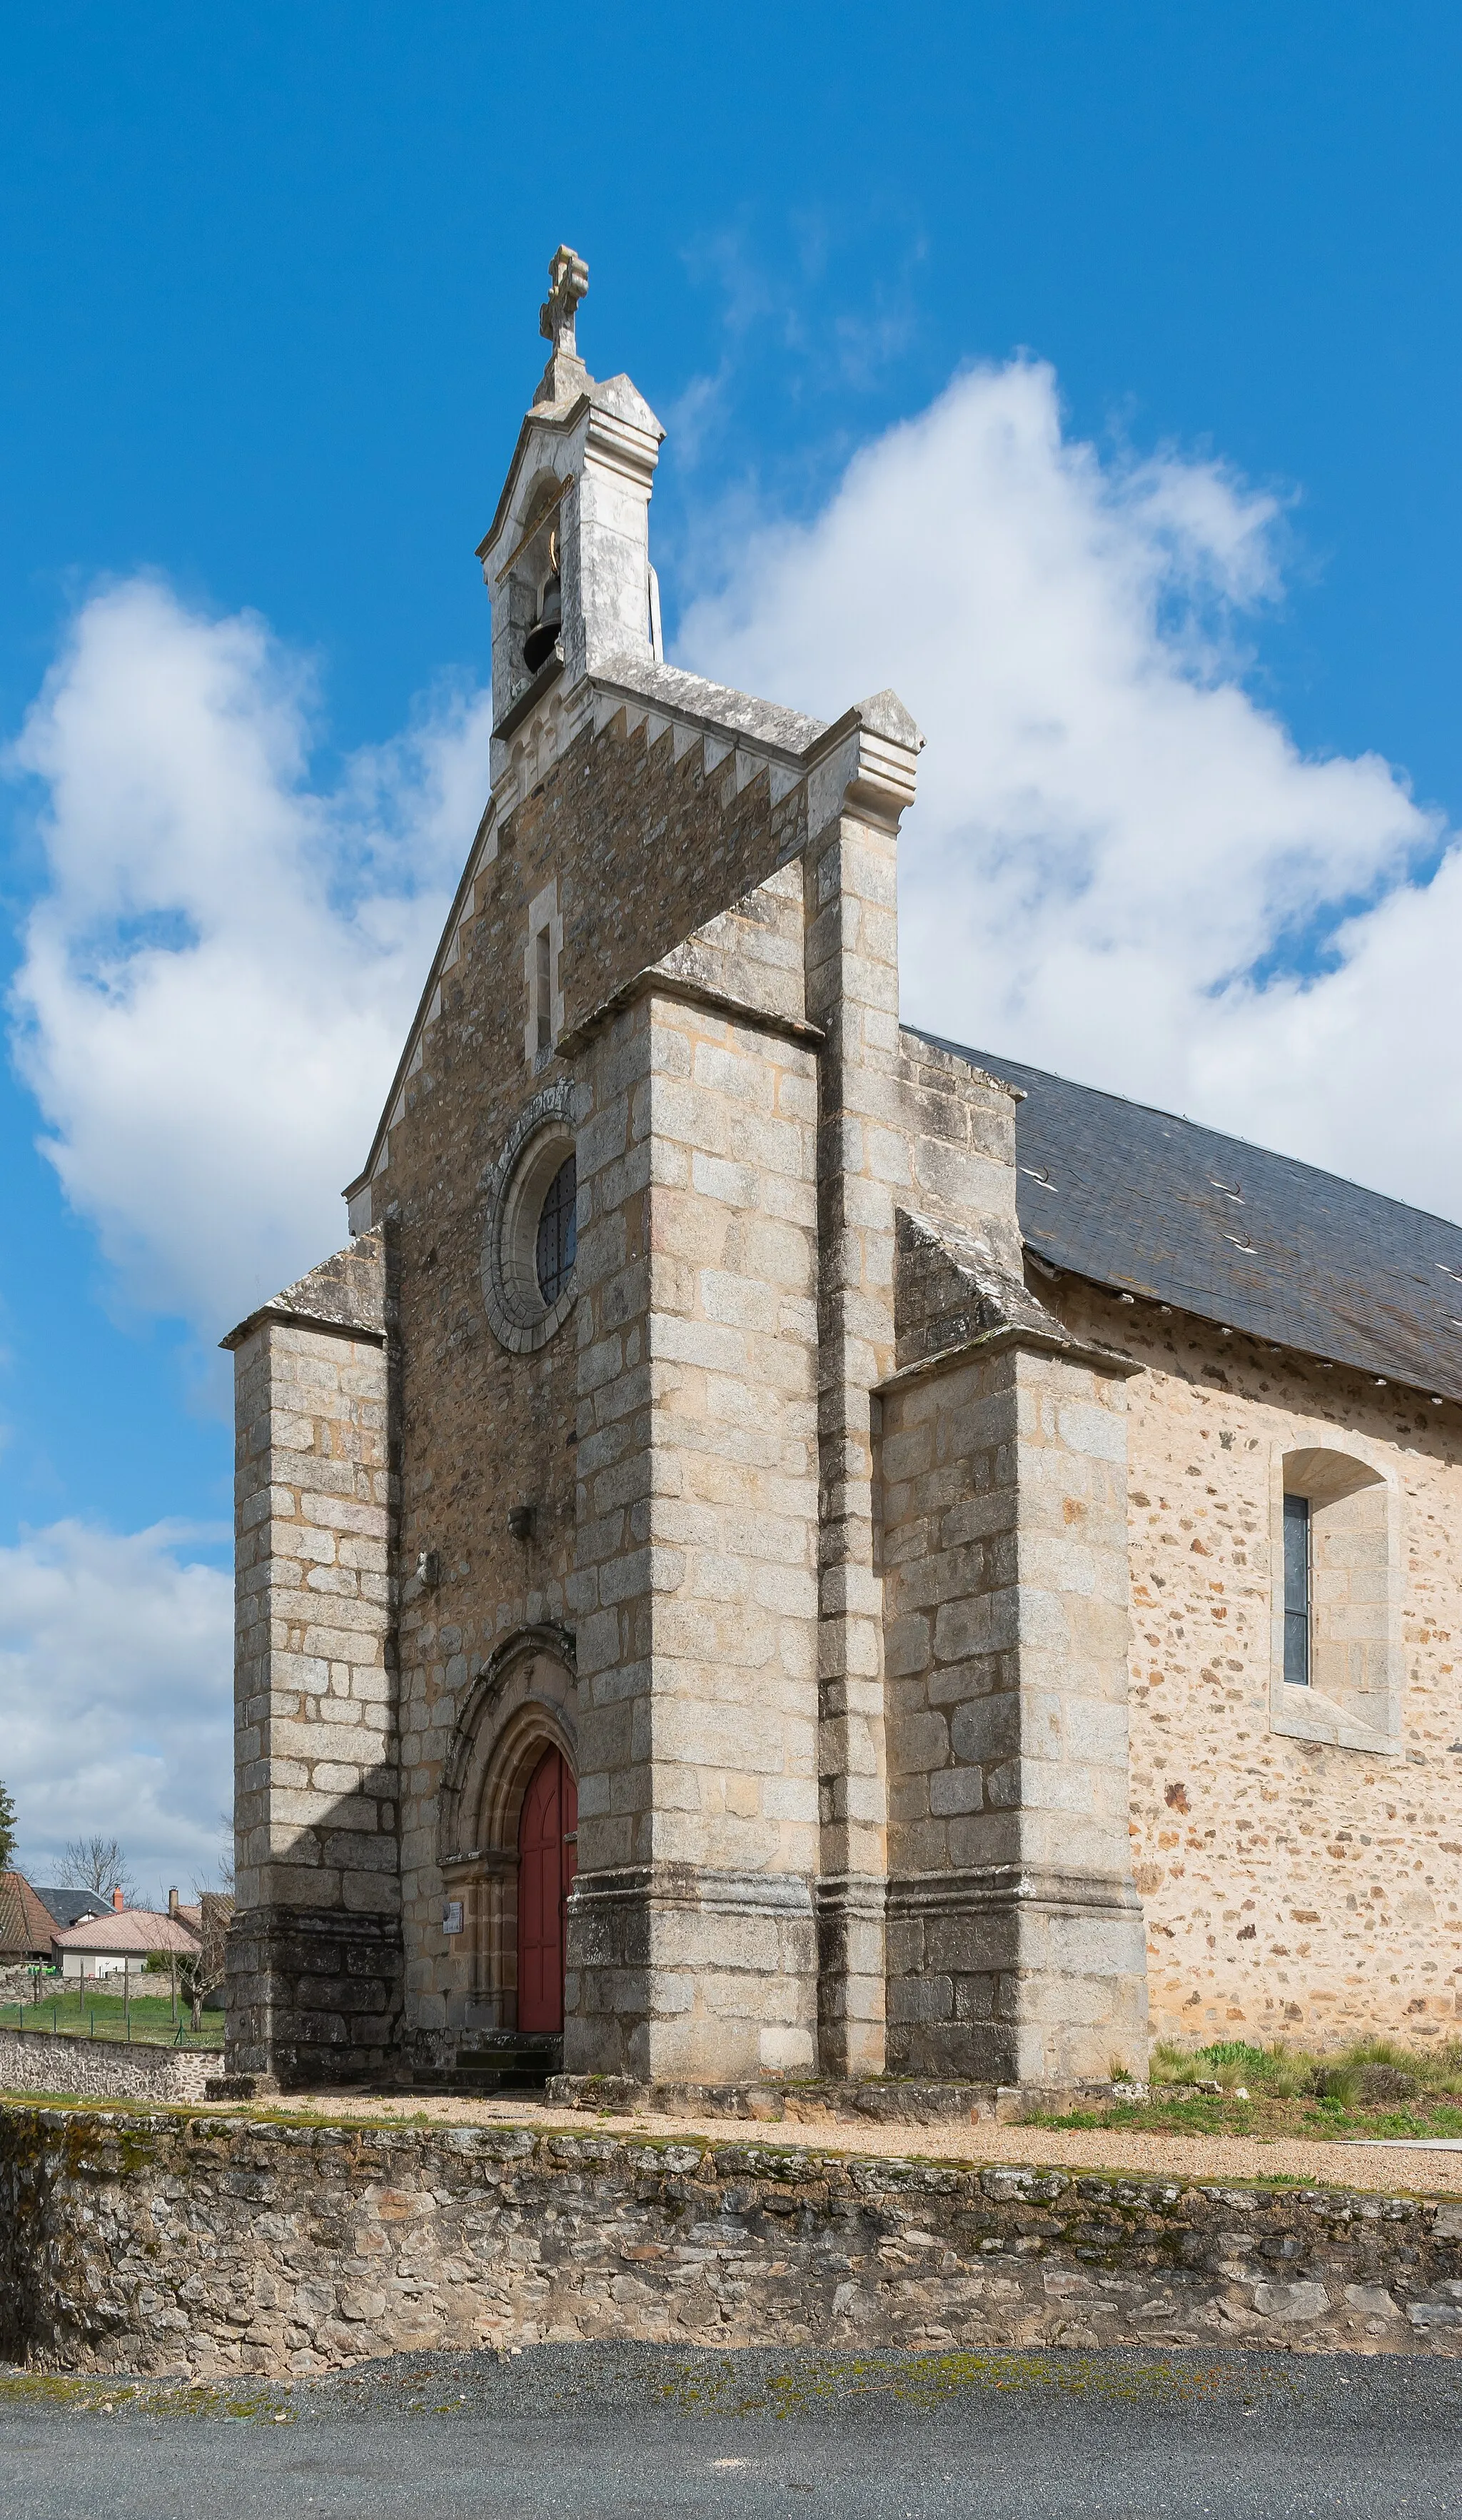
115	2021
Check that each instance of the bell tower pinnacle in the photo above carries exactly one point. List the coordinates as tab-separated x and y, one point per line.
569	283
566	559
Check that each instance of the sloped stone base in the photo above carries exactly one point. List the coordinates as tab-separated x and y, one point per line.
314	1997
887	2102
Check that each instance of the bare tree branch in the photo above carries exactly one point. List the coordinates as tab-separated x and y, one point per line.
98	1864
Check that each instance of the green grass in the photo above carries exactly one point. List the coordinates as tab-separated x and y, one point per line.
1278	2091
78	2012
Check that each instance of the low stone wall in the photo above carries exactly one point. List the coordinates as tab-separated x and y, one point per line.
211	2245
889	2100
103	2069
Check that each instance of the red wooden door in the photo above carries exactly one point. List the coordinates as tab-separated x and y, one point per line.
546	1862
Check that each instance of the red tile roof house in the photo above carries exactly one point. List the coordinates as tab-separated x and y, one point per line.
124	1942
27	1925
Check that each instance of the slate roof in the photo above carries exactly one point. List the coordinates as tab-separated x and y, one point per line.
69	1906
1142	1200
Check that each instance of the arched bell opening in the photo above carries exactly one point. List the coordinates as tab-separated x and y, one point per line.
532	586
543	638
518	1724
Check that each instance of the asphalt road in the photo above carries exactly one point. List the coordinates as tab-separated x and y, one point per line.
584	2432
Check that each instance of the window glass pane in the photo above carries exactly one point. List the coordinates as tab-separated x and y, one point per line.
1297	1591
558	1233
545	988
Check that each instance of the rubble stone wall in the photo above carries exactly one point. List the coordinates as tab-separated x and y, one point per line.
1293	1888
213	2246
103	2069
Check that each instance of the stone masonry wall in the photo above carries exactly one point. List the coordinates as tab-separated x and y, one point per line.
1014	1941
104	2069
216	2246
853	993
653	843
645	842
694	1596
1292	1888
314	1953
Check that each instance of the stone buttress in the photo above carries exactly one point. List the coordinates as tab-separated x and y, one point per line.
1016	1937
314	1955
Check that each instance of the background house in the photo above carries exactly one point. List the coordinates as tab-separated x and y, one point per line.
70	1907
121	1942
26	1923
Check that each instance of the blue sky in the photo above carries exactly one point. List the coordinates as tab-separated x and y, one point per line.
1082	369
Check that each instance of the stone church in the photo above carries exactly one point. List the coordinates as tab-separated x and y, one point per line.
788	1546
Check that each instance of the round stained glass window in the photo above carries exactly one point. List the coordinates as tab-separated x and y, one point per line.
558	1233
529	1236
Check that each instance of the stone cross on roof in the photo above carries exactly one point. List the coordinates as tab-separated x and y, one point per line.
568	277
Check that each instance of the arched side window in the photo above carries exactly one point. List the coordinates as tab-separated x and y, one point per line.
1337	1665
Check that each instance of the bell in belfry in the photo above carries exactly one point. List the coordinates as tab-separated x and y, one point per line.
543	638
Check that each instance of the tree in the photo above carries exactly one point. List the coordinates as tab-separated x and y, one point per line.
222	1876
201	1975
7	1829
98	1864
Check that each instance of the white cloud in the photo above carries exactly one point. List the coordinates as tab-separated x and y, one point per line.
1112	836
115	1687
219	974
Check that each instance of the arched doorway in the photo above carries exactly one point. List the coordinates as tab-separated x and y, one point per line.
548	1860
517	1720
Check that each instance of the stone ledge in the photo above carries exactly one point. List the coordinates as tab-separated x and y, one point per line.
889	2101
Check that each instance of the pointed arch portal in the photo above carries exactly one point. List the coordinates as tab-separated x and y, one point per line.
509	1820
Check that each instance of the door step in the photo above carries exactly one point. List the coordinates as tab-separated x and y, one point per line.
488	2061
484	2086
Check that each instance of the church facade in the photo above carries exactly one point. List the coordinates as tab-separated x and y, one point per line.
783	1545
